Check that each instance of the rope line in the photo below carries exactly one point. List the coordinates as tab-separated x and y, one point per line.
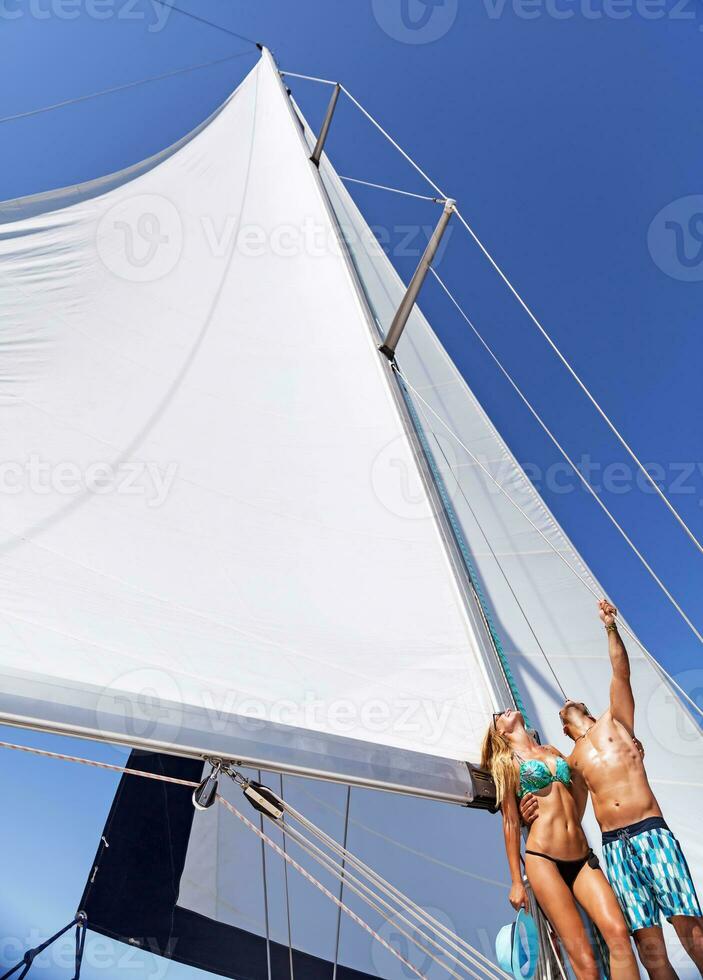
285	877
364	892
210	23
397	146
372	875
570	461
313	881
341	884
308	78
613	428
623	442
394	190
398	896
552	547
121	88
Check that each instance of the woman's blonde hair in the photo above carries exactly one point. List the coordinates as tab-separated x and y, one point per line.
497	757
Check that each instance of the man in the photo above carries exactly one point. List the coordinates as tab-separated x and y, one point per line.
643	859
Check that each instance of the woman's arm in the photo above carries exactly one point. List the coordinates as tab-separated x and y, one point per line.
511	833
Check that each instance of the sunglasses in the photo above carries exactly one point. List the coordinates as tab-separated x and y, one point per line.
496	716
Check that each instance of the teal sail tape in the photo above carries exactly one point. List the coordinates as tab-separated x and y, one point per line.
465	554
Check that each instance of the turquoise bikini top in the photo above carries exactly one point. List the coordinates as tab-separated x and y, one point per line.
535	774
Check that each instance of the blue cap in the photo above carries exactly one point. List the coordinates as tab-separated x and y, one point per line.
517	947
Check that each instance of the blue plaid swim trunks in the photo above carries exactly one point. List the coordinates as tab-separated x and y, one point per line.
648	873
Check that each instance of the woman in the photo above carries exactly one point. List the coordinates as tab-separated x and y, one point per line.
559	864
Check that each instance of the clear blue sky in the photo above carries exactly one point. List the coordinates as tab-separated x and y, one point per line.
562	138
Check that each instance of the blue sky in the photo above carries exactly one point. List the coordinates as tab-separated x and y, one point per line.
564	129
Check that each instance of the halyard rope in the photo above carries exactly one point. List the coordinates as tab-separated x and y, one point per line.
121	88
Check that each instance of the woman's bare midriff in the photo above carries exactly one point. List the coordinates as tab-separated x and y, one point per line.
557	831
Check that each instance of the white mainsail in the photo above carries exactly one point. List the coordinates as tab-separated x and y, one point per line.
258	567
243	552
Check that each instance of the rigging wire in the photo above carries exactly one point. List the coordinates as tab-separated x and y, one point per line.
596	404
394	190
121	88
373	876
285	877
308	78
552	547
345	837
568	459
623	442
385	909
204	20
266	896
390	139
282	851
313	881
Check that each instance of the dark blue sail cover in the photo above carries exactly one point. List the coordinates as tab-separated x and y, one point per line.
133	888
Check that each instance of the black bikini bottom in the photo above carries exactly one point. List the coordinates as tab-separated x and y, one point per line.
569	869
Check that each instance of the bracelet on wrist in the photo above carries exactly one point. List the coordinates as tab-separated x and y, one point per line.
611	628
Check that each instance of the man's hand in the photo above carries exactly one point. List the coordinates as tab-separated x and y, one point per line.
607	612
529	808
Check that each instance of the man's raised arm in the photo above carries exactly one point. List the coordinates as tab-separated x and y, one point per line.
622	700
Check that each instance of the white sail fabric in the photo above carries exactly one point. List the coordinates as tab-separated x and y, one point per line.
544	615
204	543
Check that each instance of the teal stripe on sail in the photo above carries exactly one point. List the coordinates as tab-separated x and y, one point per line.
465	554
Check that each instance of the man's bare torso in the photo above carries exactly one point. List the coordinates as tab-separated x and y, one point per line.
612	768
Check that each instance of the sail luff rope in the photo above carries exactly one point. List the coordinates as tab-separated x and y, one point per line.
483	606
363	891
360	865
578	575
121	88
568	459
499	565
596	404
